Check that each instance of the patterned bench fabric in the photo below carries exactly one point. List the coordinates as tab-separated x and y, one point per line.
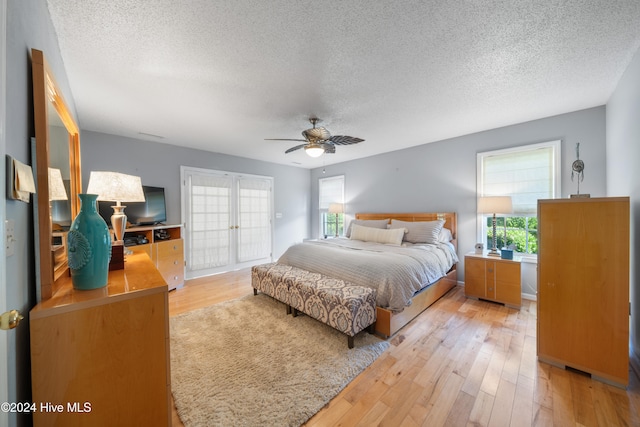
273	279
341	305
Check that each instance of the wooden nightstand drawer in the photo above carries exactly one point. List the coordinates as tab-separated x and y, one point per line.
492	278
508	272
474	277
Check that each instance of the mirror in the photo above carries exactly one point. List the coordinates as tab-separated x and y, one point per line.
59	159
57	145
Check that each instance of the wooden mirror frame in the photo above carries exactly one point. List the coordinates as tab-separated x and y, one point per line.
45	91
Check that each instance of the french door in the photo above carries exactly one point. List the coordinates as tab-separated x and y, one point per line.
228	220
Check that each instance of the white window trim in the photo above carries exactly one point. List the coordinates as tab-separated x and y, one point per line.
321	211
557	165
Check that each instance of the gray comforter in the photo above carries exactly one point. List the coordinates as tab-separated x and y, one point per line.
397	273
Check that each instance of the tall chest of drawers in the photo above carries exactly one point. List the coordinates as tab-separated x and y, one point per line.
583	285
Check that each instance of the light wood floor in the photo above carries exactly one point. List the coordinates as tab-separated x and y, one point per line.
461	362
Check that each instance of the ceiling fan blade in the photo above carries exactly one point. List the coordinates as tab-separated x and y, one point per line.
319	137
297	147
329	148
284	139
345	140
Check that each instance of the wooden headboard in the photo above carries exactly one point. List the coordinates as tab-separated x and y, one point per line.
451	219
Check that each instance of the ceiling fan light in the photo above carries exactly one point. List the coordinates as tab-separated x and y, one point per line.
314	150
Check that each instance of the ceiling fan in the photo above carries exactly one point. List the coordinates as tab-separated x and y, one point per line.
318	140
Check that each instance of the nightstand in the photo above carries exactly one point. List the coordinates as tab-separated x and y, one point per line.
493	279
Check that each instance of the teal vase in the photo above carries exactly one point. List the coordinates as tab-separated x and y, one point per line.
89	246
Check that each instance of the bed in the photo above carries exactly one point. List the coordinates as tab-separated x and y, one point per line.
408	278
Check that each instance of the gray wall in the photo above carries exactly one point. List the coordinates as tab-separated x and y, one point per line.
28	26
441	176
159	165
623	173
431	177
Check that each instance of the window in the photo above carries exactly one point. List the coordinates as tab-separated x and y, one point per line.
526	173
331	190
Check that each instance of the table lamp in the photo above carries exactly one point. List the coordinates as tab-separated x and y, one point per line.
56	191
56	186
495	205
118	187
337	209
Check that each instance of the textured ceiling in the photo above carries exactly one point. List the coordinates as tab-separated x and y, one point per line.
223	75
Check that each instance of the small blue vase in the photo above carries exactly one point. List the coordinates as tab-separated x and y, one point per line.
89	246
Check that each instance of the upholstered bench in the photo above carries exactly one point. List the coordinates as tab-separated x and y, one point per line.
345	307
274	280
339	304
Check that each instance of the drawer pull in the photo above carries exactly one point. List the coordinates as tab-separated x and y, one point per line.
490	270
175	262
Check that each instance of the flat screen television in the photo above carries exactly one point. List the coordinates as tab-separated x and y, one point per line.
152	211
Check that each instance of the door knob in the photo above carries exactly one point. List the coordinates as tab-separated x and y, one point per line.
10	319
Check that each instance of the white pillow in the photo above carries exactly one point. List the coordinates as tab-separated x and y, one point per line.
372	223
377	235
445	236
420	231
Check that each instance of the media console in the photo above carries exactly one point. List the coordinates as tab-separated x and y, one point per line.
164	245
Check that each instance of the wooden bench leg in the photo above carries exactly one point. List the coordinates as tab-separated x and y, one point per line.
350	341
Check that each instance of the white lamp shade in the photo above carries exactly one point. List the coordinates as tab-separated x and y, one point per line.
495	205
115	186
336	208
314	150
56	185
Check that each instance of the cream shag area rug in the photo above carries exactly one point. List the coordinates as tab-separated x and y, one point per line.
246	362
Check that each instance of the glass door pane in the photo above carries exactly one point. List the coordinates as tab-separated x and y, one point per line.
254	219
209	221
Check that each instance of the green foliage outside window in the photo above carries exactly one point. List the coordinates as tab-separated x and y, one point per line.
521	232
329	224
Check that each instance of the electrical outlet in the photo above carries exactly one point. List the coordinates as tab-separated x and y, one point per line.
9	227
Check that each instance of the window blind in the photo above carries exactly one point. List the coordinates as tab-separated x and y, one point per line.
526	174
254	212
331	190
210	216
